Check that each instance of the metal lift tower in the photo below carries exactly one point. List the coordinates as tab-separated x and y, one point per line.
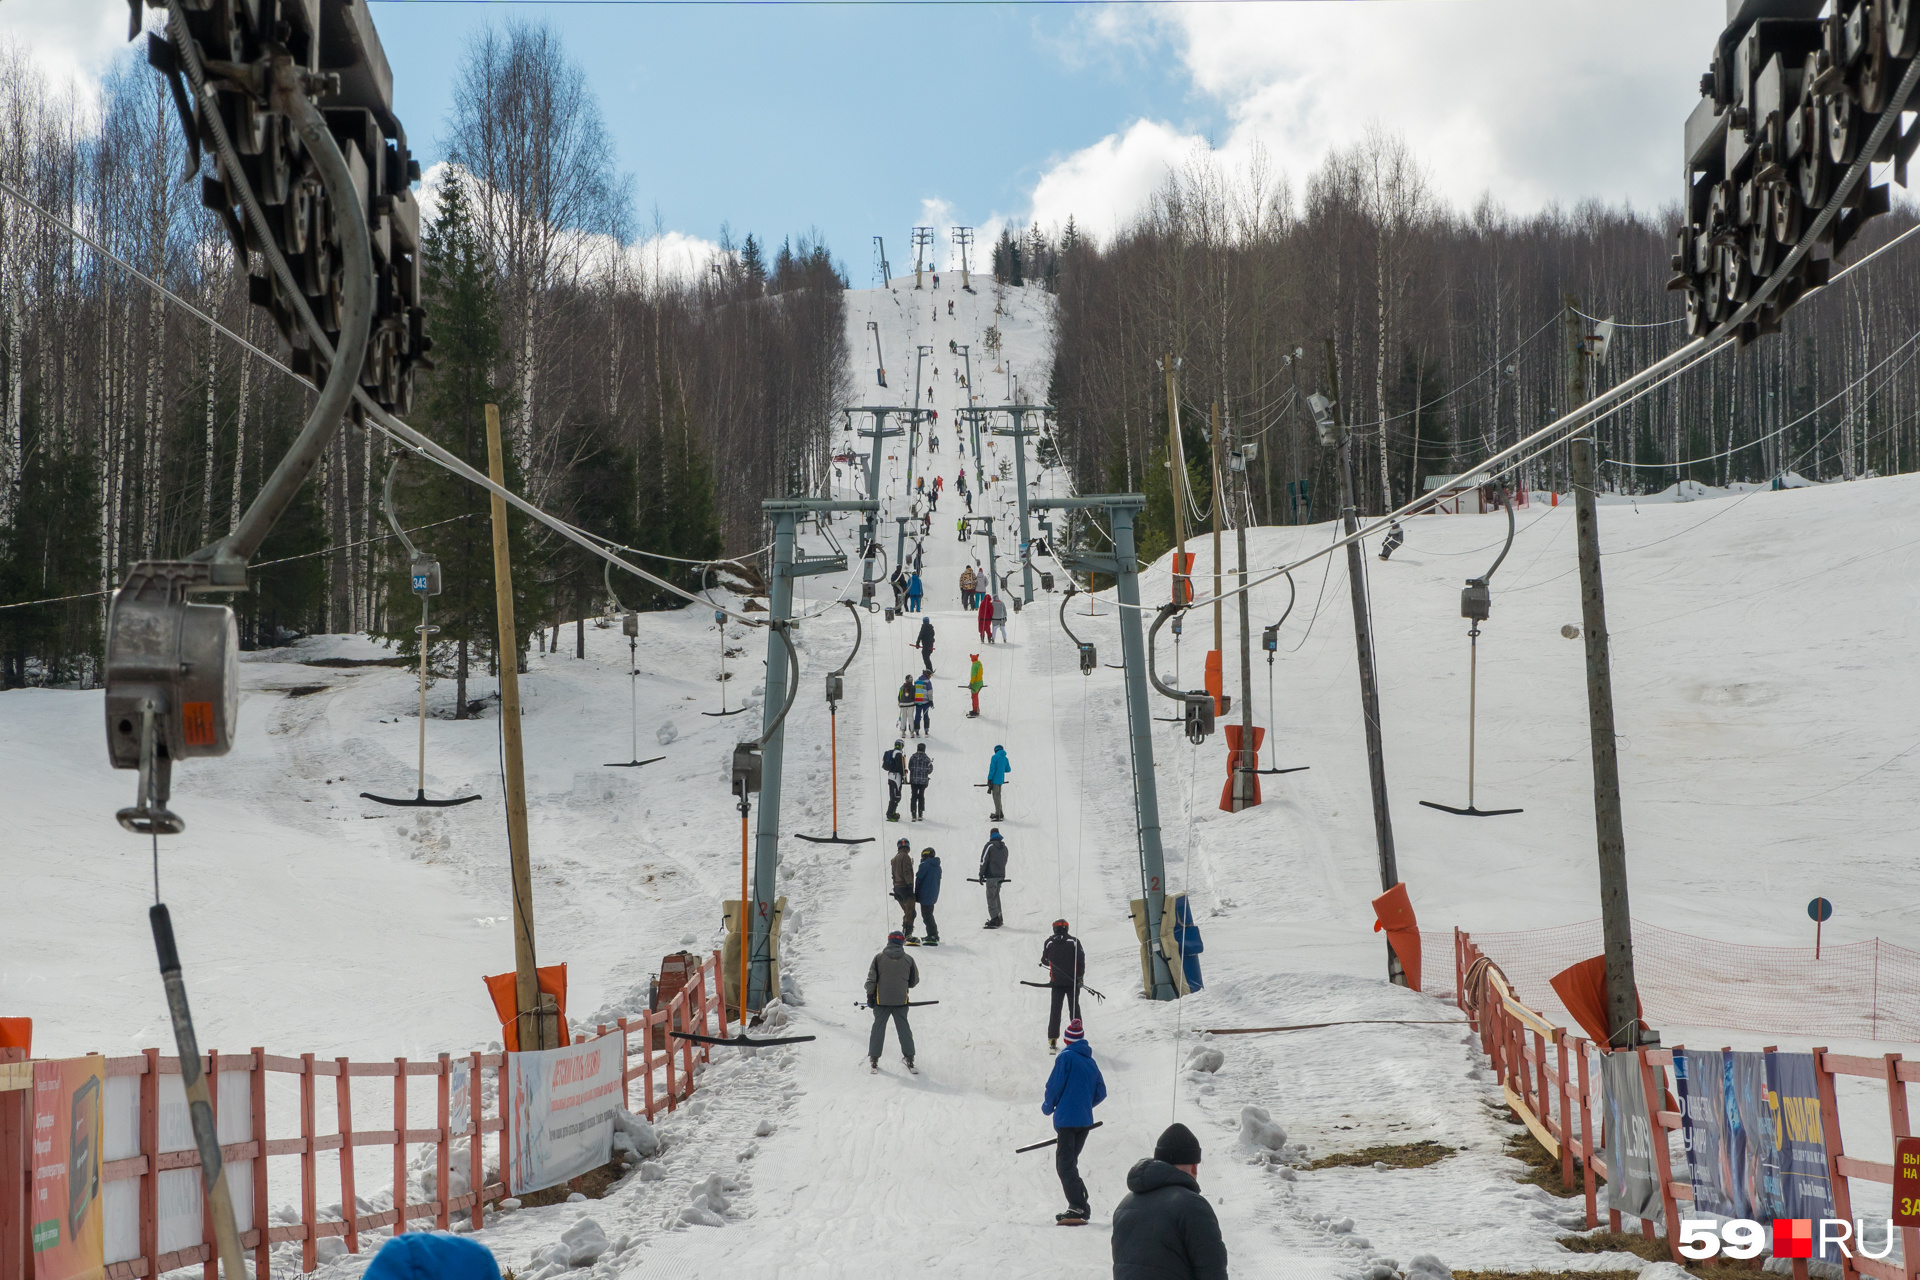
922	249
1020	431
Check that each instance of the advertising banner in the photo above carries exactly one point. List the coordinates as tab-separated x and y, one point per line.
1703	1111
561	1104
1632	1185
67	1133
1796	1164
1749	1136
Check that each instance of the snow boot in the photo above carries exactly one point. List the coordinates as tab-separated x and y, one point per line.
873	1066
1071	1218
1053	1045
931	942
911	1069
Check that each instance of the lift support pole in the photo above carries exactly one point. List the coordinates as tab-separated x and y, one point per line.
786	514
1019	431
1124	566
870	530
993	552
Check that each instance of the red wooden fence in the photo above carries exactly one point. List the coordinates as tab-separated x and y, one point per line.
699	1007
1531	1057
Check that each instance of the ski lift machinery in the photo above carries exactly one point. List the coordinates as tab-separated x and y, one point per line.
424	574
720	624
630	627
1476	604
835	691
1270	641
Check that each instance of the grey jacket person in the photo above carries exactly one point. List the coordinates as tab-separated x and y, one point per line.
891	975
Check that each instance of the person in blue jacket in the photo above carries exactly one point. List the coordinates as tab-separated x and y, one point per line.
926	892
1073	1090
997	770
914	593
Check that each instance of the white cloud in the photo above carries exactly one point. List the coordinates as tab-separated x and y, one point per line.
71	41
1534	102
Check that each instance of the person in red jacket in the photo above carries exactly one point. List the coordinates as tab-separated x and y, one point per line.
986	617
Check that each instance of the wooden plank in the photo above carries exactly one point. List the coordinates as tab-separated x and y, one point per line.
257	1110
309	1188
1532	1122
443	1158
343	1104
16	1076
120	1170
399	1139
476	1174
1871	1170
288	1066
149	1230
1901	1125
1836	1155
286	1146
1846	1064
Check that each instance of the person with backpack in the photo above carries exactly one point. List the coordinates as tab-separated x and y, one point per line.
907	698
993	873
926	892
890	979
1163	1228
1074	1089
919	773
975	679
923	704
894	765
967	581
924	642
902	869
998	767
1066	964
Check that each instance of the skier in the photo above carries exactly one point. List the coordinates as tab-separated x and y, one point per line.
919	772
894	765
1066	963
961	524
1163	1226
890	978
975	679
934	440
949	306
997	770
914	593
939	482
933	494
902	868
926	892
984	615
923	704
1391	543
1000	619
967	579
906	699
993	872
919	556
898	581
1073	1090
924	642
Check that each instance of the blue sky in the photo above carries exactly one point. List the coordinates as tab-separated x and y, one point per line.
864	119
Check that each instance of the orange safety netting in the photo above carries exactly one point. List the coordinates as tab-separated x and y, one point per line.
1865	990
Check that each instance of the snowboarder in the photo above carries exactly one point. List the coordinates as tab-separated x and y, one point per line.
922	704
890	978
924	642
894	765
919	771
998	767
967	579
1073	1090
1163	1226
902	868
914	593
906	699
926	892
1000	619
993	872
984	614
1066	963
1391	543
975	679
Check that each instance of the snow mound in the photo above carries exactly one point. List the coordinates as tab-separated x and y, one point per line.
635	1133
1425	1266
1206	1058
583	1242
666	733
1257	1129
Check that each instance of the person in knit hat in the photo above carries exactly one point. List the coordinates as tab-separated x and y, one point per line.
889	978
1164	1229
1073	1090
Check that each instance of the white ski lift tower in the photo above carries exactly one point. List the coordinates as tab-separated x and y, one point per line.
922	250
963	240
869	530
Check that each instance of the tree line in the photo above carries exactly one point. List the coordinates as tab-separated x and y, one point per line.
1448	341
626	381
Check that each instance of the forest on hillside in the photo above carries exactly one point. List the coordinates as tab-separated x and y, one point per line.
1448	338
627	383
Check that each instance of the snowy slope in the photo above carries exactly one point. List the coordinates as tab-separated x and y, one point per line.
1761	647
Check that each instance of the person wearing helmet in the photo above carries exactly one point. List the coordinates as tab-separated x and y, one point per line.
902	868
993	873
1066	964
894	765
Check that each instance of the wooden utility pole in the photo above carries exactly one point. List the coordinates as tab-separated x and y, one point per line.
1623	1000
526	985
1176	475
1363	642
1213	448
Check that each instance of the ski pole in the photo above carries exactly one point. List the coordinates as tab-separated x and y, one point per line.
911	1004
977	880
1051	1141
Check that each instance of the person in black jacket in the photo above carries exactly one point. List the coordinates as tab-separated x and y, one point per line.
993	871
894	764
919	773
925	643
1164	1229
1066	963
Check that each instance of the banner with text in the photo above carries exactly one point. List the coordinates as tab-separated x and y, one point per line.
67	1137
561	1108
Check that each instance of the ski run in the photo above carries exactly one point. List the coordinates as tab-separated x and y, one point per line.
1762	648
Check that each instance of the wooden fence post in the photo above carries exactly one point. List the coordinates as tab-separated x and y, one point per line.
646	1061
400	1146
16	1163
1586	1134
309	1188
506	1124
666	1023
349	1202
1566	1117
1830	1130
626	1078
444	1163
210	1269
722	1000
476	1160
1653	1083
150	1149
257	1109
